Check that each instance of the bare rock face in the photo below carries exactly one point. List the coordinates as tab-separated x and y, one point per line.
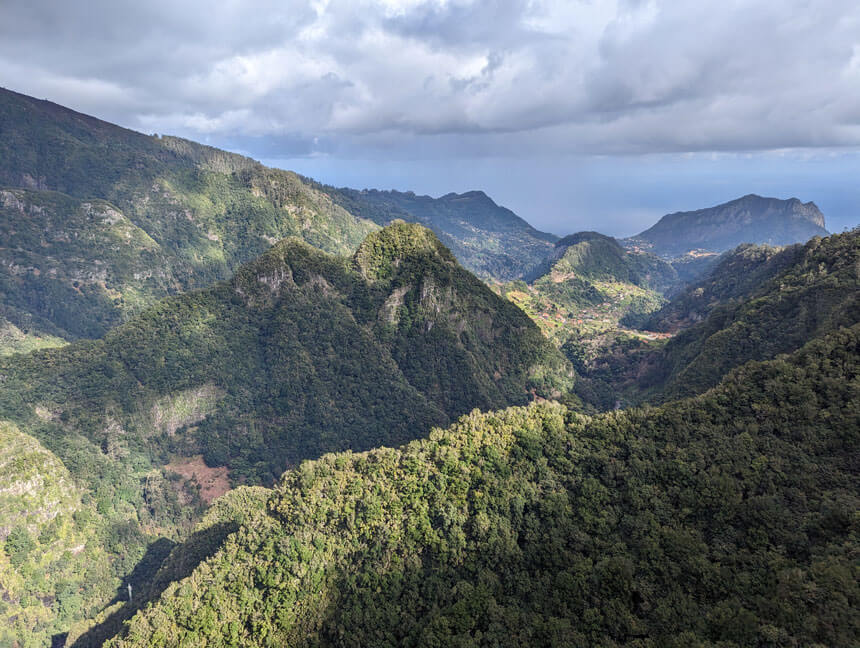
750	219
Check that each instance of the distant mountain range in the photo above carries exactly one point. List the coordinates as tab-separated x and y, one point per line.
98	222
490	240
751	219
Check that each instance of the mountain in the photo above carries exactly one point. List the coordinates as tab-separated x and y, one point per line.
301	353
751	219
724	520
98	222
814	289
736	275
756	303
489	240
589	286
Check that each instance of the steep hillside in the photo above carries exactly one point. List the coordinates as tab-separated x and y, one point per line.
726	520
98	222
489	240
751	219
818	292
737	274
301	353
757	303
53	567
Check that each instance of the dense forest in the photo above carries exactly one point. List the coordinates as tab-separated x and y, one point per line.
301	353
756	302
723	520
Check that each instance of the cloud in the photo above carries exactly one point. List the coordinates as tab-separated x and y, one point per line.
415	78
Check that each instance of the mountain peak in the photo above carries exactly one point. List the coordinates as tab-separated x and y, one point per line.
581	237
748	219
382	252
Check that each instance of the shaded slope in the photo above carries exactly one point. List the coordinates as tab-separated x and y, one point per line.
105	220
765	303
737	274
299	354
725	520
489	240
750	219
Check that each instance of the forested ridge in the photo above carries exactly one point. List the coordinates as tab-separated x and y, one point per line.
301	353
813	289
728	519
98	222
756	302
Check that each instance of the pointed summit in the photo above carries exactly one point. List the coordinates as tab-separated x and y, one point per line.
383	252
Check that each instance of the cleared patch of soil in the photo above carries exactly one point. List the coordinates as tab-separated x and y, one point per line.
213	482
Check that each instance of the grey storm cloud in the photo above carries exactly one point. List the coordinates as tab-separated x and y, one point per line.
413	78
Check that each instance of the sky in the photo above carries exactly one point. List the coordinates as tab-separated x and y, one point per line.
598	114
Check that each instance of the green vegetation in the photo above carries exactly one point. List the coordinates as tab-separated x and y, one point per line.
301	353
735	276
591	298
489	240
759	303
16	340
725	520
100	222
53	565
591	286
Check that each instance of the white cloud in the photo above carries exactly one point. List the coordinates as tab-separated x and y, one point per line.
419	77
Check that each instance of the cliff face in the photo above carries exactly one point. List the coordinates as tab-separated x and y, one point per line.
751	219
